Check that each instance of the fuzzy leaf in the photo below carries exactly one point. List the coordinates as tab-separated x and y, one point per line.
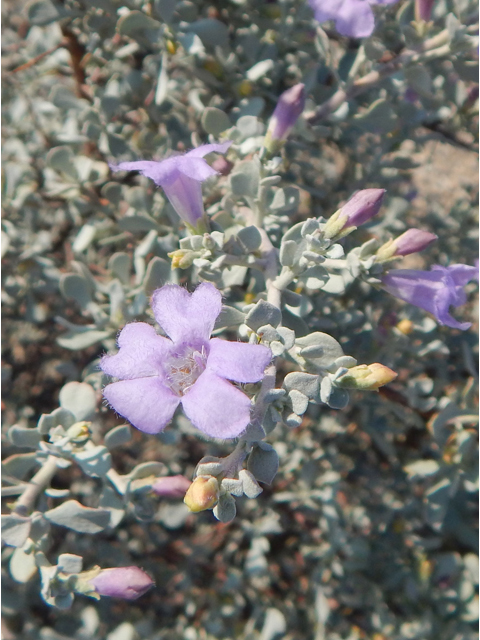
73	515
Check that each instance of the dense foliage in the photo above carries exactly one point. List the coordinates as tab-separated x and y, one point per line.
270	286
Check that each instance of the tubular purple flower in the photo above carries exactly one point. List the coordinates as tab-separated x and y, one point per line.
423	9
157	374
128	583
289	108
362	206
412	241
352	18
180	177
434	291
171	486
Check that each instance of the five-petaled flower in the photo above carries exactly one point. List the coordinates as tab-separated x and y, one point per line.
180	177
435	291
157	374
352	17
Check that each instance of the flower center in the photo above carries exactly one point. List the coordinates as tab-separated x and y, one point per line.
183	369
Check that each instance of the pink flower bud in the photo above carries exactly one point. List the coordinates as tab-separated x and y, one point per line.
171	486
362	206
366	377
202	494
122	582
423	9
412	241
289	107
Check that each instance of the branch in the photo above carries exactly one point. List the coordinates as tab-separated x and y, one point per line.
435	47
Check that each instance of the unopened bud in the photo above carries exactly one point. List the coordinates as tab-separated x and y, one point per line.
128	583
289	108
361	207
202	494
412	241
181	258
423	9
366	377
405	326
222	165
171	486
79	432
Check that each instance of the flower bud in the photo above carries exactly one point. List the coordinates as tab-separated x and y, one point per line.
202	494
289	107
423	9
182	258
171	486
361	207
411	241
123	582
366	377
405	326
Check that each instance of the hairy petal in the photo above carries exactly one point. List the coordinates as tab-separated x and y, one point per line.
216	407
145	402
141	353
237	360
187	317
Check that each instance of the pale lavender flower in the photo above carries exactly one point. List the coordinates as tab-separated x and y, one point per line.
435	291
171	486
157	374
353	18
180	177
289	108
128	583
423	9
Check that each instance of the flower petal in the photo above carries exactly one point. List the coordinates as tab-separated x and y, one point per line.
355	18
141	353
187	317
237	360
444	299
160	172
216	407
462	273
145	402
196	168
185	195
204	149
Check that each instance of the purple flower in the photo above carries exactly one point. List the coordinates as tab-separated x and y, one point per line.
289	108
180	177
352	17
122	582
435	291
171	486
157	374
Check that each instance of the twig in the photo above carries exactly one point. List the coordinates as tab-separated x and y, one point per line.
39	481
435	47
